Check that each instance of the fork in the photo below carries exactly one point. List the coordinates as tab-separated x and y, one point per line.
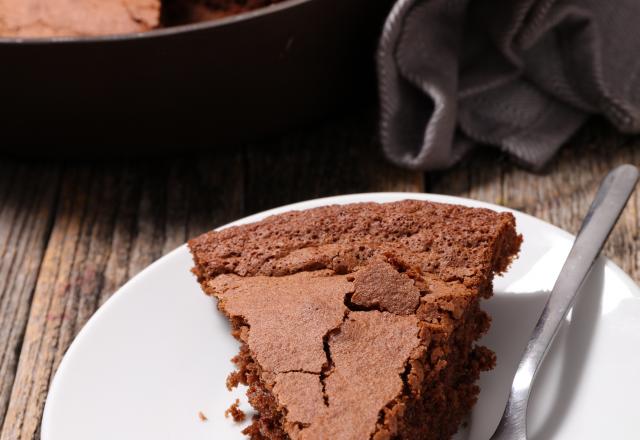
610	200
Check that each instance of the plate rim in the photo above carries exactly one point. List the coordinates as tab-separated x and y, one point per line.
317	202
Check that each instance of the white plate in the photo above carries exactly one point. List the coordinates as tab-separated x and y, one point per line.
158	352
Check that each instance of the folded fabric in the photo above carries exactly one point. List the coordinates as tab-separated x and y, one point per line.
522	75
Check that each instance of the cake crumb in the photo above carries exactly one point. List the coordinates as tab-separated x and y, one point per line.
202	417
235	412
234	379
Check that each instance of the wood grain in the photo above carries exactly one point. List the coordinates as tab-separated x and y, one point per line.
111	222
27	199
341	157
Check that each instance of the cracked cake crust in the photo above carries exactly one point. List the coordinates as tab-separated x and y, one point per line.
363	333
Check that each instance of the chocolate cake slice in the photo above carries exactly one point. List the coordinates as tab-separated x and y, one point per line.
359	321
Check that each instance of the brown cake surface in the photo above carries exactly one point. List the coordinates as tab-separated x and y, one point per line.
359	321
51	18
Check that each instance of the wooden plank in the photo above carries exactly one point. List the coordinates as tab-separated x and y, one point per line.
478	177
27	199
561	194
564	195
339	157
111	222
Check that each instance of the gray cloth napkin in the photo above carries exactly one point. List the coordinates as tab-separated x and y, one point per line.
522	75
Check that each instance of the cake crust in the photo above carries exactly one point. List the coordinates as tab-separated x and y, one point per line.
359	321
453	242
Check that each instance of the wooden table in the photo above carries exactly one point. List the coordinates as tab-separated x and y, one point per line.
71	233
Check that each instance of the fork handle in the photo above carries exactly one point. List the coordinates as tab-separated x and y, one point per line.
610	200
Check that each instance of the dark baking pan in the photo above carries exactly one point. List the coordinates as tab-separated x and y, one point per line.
239	78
